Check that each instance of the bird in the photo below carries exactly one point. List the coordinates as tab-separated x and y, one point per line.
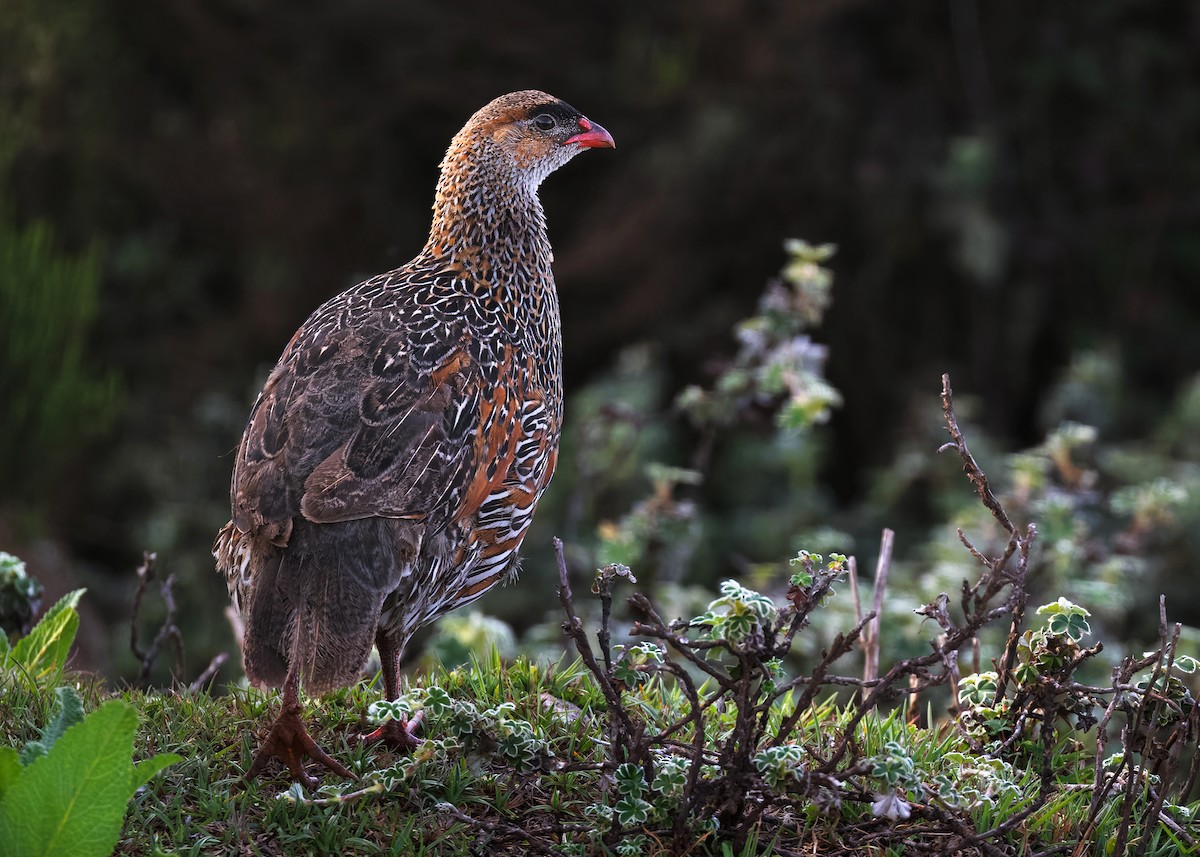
393	460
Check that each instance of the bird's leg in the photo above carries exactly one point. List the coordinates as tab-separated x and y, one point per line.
399	735
290	742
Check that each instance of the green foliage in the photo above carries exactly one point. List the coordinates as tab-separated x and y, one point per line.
895	767
1022	730
54	400
66	792
20	595
69	712
634	663
1046	657
777	364
473	728
468	633
806	561
781	765
736	614
70	800
631	809
978	689
39	657
518	752
1065	619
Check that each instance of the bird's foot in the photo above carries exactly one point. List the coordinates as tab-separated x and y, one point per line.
399	735
290	742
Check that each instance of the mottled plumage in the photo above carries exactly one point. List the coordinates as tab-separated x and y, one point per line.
394	458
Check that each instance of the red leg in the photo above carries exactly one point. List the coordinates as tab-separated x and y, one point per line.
399	735
290	742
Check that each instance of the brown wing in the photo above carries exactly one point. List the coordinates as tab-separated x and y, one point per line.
359	422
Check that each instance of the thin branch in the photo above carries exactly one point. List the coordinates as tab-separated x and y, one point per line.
210	672
621	727
871	641
168	632
970	466
495	827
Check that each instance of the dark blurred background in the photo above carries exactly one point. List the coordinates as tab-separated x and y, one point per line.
1014	189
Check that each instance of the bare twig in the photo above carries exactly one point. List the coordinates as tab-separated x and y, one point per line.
743	698
970	466
494	827
871	641
210	672
621	730
1017	603
168	632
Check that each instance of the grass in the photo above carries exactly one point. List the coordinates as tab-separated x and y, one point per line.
695	739
457	797
201	806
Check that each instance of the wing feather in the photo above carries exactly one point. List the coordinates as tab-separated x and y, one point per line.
355	422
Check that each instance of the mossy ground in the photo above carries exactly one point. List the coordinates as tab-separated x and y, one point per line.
446	799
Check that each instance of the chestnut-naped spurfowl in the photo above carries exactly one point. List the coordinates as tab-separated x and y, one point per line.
396	453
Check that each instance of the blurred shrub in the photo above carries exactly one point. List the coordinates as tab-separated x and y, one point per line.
1118	519
20	595
55	402
681	484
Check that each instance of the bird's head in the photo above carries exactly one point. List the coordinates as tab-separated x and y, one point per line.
528	133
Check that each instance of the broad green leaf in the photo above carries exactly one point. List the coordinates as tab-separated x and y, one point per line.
10	769
44	650
72	801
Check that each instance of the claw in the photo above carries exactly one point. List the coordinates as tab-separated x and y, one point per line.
399	735
290	742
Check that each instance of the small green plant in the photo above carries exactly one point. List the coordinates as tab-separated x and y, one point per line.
777	364
20	595
736	615
66	792
38	658
1065	619
780	766
631	808
482	730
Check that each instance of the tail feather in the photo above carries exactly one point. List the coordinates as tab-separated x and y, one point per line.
318	602
269	627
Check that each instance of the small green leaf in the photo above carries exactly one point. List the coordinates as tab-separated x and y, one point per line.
1186	664
630	780
145	770
44	650
1070	624
628	674
383	710
437	701
68	712
631	810
1062	605
801	579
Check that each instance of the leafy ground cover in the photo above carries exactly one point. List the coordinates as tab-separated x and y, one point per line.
689	736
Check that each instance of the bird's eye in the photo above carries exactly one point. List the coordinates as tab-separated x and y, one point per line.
543	121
